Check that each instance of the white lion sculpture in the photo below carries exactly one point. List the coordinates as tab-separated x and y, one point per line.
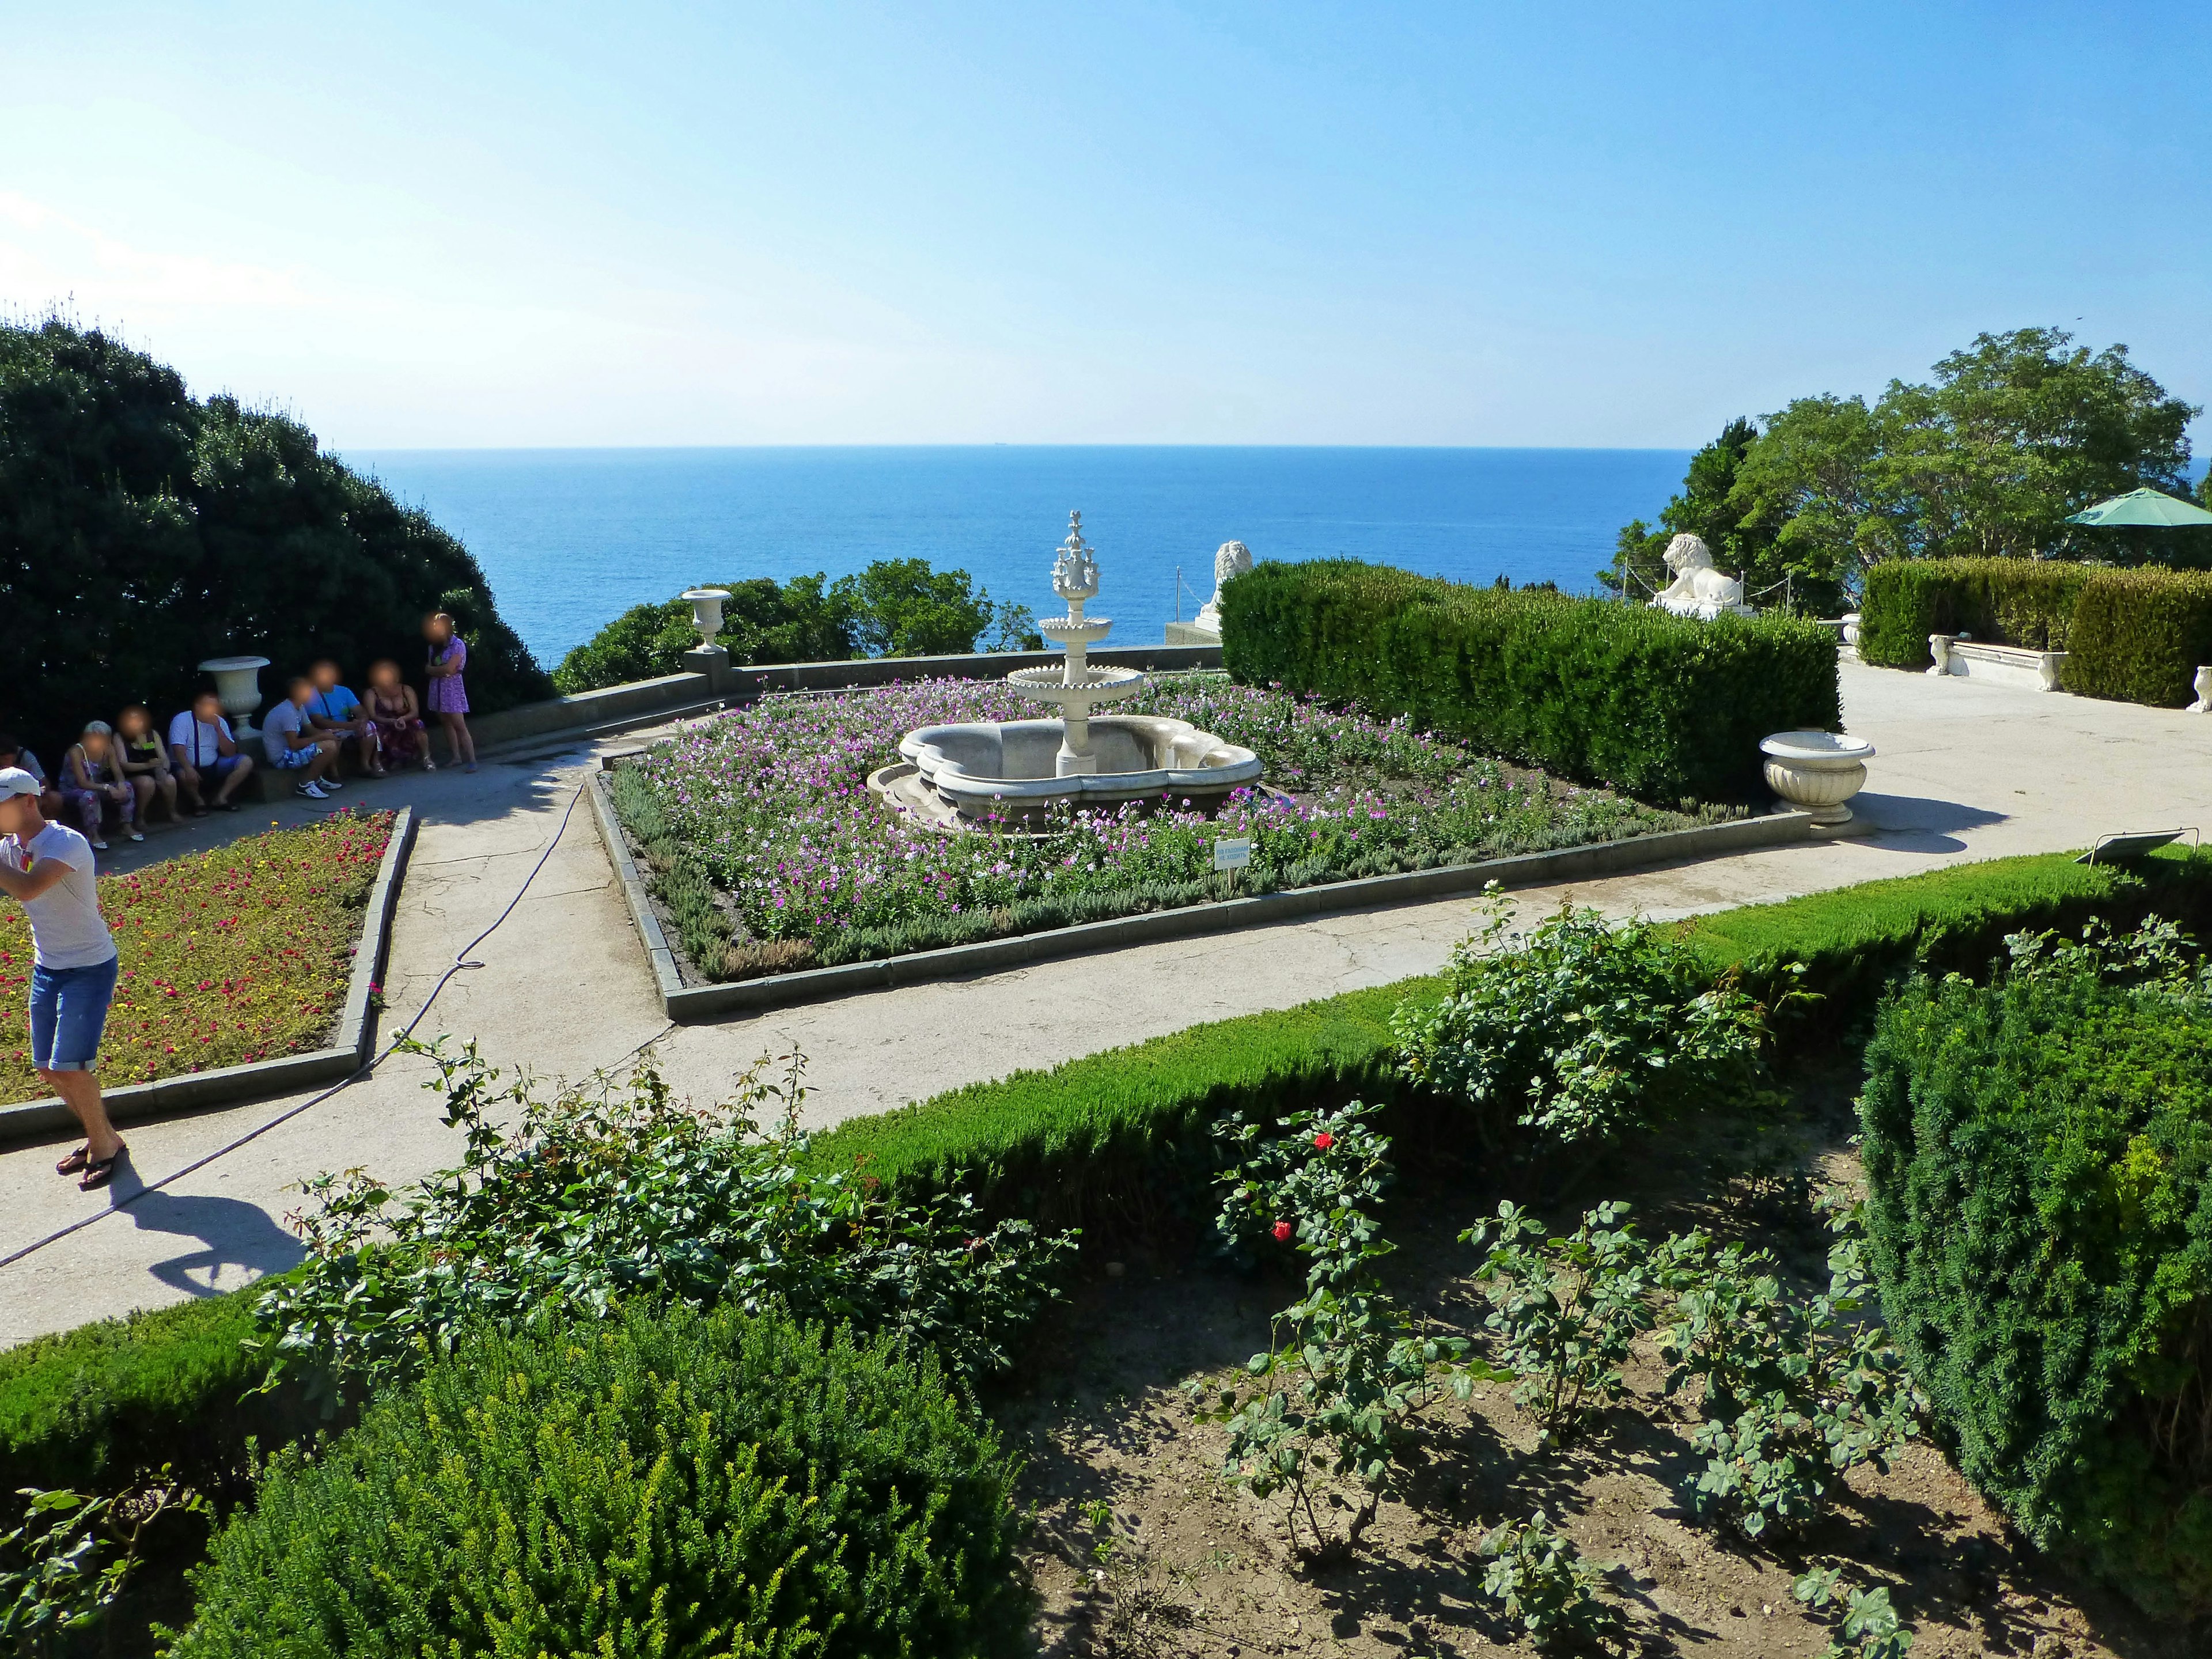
1229	559
1698	589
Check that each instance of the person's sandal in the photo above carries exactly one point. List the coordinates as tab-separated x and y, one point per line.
134	835
75	1161
98	1171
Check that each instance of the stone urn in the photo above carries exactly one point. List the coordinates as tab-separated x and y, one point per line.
706	612
1817	772
238	689
2203	684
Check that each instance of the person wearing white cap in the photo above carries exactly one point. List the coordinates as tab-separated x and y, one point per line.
48	868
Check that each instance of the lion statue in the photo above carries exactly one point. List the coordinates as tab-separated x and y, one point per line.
1698	589
1229	559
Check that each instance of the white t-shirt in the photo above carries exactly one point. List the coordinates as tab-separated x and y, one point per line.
286	716
67	930
188	731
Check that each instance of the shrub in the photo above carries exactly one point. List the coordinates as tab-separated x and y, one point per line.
572	1201
205	528
1347	1367
1662	707
676	1485
1793	1395
63	1566
1566	1311
1869	1624
1579	1029
232	954
2141	635
2024	602
1537	1576
799	620
2041	1225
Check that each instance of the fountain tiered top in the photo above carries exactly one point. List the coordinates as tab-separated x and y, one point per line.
1075	686
950	773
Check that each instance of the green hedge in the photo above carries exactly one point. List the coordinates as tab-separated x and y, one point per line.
2141	635
2038	1154
1088	1141
669	1484
1662	707
2024	602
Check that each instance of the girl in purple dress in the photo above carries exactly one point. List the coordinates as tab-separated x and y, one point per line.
449	697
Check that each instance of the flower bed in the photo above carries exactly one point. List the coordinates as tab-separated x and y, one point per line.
770	854
238	954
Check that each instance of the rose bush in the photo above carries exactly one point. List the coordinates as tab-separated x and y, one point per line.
237	954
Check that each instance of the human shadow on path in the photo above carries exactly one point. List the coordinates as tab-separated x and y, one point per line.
235	1234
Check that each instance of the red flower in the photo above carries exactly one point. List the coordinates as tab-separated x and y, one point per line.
1282	1230
1324	1140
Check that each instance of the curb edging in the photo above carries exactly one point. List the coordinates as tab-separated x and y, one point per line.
227	1085
694	1003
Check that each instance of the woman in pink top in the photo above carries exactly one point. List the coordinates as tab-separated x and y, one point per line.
449	697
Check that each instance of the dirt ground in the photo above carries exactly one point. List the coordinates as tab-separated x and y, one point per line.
1138	1549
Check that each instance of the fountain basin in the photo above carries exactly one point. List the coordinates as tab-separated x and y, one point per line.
969	771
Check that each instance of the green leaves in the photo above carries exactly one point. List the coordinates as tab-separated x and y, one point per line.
1536	1575
1869	1628
65	1563
576	1201
1584	1031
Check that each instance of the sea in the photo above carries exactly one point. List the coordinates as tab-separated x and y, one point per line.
570	537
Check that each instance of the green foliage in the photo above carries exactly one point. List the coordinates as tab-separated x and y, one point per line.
1793	1394
894	608
799	620
2141	635
2023	602
52	1574
1580	1031
1566	1310
202	527
2041	1223
676	1485
2015	433
569	1203
1709	507
1869	1628
1347	1367
1537	1575
1661	707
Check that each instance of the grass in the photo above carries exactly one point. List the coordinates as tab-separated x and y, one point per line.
238	954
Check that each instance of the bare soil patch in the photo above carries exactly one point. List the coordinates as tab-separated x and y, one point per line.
1137	1548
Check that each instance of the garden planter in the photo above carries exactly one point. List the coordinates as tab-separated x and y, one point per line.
1817	772
238	689
705	611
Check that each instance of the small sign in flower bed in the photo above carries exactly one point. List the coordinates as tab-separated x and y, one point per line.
767	853
239	954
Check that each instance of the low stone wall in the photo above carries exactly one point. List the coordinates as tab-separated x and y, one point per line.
643	701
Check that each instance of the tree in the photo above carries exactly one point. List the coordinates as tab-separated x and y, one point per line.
143	529
1706	507
902	608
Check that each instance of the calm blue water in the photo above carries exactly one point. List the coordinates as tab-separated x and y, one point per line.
570	537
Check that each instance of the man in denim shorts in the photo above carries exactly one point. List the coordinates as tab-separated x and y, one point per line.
48	867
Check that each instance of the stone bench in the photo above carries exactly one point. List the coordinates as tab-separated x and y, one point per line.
2000	665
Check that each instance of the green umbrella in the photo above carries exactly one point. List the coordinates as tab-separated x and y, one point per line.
2153	507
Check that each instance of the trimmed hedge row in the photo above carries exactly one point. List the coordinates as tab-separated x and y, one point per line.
1662	707
2130	635
1095	1140
2023	602
2141	635
2040	1218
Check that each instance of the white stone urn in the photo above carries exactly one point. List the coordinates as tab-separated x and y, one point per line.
238	689
706	612
1817	772
2203	683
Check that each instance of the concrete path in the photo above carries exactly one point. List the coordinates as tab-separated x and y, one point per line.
1965	771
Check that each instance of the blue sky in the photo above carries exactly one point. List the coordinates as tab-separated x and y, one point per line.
555	224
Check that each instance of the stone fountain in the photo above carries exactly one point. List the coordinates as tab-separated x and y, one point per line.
951	776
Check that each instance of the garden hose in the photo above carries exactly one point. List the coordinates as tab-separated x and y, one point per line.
462	959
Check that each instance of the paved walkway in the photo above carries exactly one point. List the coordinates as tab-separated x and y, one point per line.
1965	771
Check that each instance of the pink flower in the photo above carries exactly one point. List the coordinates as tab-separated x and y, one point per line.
1324	1140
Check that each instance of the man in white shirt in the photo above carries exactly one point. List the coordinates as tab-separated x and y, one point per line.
48	869
291	743
201	748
